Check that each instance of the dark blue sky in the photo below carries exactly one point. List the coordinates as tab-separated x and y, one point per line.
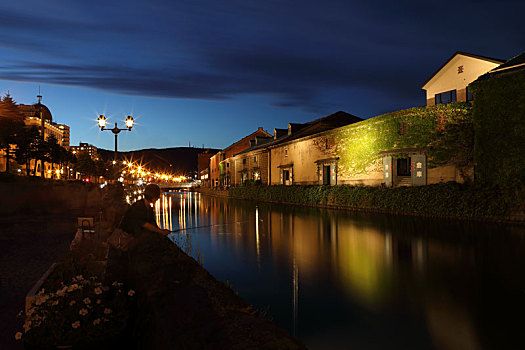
211	72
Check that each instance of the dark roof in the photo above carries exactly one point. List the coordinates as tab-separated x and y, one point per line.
490	59
516	63
34	111
316	126
259	130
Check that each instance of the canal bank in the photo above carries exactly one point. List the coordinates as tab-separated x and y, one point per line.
446	200
184	306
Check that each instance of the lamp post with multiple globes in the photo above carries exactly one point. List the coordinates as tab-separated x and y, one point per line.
116	130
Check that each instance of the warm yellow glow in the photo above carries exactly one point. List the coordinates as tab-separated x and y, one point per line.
129	122
102	121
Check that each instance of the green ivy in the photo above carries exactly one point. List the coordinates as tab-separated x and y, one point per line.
445	199
499	124
439	130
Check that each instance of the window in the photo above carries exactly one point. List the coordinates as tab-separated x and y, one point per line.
227	165
402	128
469	95
244	161
255	159
446	97
286	152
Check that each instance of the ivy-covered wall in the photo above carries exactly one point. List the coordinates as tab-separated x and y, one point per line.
499	124
444	131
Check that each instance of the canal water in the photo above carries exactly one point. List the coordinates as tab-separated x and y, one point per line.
344	280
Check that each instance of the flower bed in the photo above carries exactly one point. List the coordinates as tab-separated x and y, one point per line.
70	306
82	311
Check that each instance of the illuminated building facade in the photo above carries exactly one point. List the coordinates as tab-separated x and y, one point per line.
450	82
221	167
85	147
31	115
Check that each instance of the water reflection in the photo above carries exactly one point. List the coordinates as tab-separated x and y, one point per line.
342	280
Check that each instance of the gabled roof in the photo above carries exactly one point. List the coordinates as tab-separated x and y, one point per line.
259	132
328	122
484	58
516	63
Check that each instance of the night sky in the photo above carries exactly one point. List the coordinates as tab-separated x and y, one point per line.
211	72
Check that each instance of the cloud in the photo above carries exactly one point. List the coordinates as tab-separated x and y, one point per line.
208	50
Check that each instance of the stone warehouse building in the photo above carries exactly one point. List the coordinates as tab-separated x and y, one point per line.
412	147
450	82
221	172
264	162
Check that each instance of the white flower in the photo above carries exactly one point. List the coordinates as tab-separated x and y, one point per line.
107	311
87	301
98	291
97	321
131	292
75	324
83	312
18	335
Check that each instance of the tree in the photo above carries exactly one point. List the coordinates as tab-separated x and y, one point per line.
11	125
27	147
85	165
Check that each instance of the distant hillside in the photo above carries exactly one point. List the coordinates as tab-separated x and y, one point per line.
177	160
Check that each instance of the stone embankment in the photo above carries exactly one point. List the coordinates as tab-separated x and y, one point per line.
182	305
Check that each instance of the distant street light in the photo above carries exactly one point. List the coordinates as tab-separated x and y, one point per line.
102	123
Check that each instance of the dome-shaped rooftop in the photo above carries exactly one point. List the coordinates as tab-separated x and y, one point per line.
34	111
46	113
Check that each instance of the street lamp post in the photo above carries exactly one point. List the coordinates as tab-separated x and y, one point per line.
102	123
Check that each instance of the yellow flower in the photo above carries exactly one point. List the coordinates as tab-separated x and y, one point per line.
75	324
98	291
18	335
98	301
131	292
83	312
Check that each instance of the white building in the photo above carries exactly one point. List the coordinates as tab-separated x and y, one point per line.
449	83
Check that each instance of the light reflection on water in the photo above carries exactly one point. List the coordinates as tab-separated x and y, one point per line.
337	279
